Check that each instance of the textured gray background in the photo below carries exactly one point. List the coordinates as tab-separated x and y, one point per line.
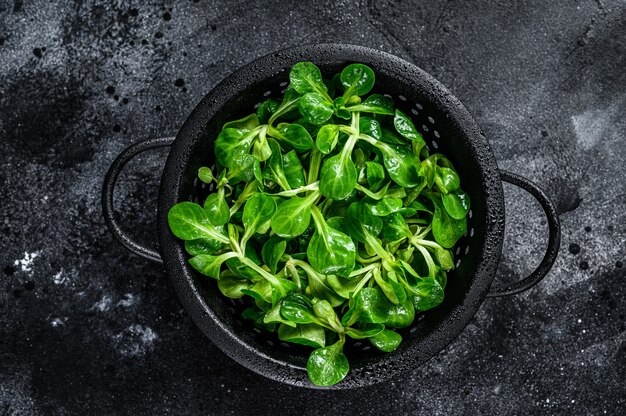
86	328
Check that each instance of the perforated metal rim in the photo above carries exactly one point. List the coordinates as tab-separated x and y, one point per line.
445	327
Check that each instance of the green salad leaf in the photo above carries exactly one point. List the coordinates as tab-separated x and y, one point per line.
326	216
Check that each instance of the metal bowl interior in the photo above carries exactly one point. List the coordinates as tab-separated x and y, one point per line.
447	127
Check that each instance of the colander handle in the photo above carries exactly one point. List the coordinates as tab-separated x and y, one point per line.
554	237
107	195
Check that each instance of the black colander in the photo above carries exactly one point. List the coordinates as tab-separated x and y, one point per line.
445	125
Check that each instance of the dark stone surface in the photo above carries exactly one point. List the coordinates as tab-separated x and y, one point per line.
86	328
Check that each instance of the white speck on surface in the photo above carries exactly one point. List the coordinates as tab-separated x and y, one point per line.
56	322
136	340
579	320
103	304
59	278
129	300
26	264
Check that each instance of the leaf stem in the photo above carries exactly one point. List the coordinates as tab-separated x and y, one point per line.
214	234
352	139
285	107
368	260
429	261
318	220
293	192
427	243
233	237
312	198
362	270
294	273
348	147
265	274
314	165
419	221
374	195
243	197
378	249
364	280
374	142
306	267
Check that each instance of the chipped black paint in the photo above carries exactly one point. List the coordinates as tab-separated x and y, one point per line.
522	69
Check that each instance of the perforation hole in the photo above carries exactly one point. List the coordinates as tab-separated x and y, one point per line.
283	90
198	184
269	342
419	106
414	111
471	232
458	262
435	145
387	95
457	251
257	105
469	214
466	250
436	133
283	84
284	344
424	127
402	97
431	120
